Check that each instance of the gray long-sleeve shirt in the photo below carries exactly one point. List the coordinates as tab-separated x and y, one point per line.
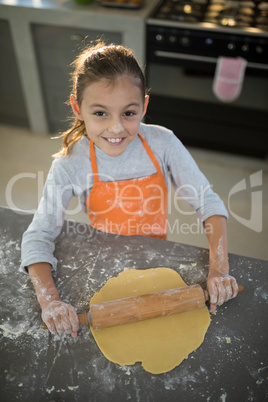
72	177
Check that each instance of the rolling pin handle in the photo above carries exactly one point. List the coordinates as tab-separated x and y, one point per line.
207	297
240	288
84	318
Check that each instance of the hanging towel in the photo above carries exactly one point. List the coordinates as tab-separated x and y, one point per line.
229	77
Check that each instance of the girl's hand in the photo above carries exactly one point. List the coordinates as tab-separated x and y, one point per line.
60	318
221	287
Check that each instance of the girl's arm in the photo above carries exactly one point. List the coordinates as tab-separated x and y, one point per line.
221	286
58	316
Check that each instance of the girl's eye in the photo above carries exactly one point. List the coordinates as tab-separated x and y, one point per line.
129	113
100	114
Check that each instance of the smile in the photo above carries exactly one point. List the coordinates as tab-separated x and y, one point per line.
114	140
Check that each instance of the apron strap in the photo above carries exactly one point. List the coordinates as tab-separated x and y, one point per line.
93	162
150	153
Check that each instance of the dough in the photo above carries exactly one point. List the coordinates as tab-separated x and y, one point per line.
160	344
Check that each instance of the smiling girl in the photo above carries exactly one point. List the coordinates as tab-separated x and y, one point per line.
120	169
111	125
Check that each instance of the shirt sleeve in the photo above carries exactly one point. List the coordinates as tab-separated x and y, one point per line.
38	242
190	183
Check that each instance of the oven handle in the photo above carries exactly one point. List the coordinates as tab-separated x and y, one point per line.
183	56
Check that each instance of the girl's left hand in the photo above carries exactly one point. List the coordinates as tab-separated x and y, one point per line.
221	288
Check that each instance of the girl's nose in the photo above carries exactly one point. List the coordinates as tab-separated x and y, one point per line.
116	128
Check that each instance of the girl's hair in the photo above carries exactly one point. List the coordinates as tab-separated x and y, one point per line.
93	64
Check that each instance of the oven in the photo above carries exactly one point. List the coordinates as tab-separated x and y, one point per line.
185	41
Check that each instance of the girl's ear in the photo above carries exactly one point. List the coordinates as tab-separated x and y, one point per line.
145	105
75	107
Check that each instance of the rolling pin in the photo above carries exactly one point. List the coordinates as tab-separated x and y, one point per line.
139	308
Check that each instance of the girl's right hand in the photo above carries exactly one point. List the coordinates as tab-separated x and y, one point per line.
60	318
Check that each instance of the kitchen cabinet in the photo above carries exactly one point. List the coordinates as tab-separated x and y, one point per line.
55	49
43	33
13	108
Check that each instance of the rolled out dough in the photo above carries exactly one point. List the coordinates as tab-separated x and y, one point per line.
160	344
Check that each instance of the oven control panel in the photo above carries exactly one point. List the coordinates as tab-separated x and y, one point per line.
173	45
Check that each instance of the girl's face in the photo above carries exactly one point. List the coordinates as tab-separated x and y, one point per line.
112	112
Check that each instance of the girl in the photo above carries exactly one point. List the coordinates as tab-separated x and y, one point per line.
119	169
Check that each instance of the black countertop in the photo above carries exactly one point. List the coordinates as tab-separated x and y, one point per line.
230	365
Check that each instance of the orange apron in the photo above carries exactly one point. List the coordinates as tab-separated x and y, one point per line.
129	207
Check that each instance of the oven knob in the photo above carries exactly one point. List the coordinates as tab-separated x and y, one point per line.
172	39
259	49
209	42
159	37
245	48
185	41
231	46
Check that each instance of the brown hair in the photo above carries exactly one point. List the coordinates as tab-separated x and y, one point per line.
93	64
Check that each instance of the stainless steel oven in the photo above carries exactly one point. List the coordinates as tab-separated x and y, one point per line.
185	39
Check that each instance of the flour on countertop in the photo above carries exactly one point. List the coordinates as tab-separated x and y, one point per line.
12	331
186	380
223	397
262	292
27	335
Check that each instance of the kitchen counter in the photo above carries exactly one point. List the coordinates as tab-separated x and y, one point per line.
230	365
20	14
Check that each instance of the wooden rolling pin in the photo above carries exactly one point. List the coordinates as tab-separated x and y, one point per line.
139	308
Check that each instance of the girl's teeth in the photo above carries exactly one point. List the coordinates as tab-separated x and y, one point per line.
114	139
